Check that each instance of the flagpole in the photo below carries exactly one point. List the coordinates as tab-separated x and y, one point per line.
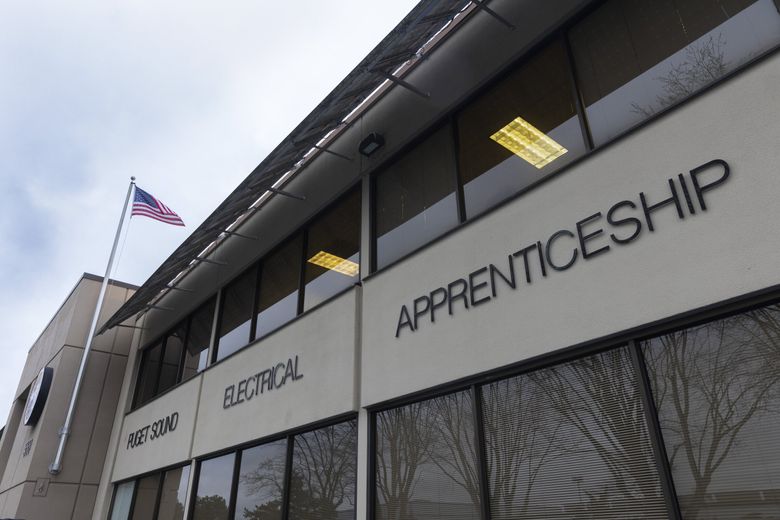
64	432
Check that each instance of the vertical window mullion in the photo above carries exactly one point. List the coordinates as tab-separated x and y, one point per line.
183	357
194	494
654	431
479	441
287	479
371	473
372	223
459	195
159	366
132	502
302	269
256	302
139	378
582	116
217	326
160	484
234	485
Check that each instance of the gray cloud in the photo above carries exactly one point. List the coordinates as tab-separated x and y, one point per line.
186	96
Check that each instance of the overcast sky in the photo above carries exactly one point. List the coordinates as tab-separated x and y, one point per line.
187	96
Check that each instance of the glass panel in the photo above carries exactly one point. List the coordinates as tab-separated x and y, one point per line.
212	497
235	322
520	130
415	198
717	394
147	379
198	340
637	57
174	344
324	473
261	482
571	442
333	251
123	497
146	497
174	494
426	461
279	277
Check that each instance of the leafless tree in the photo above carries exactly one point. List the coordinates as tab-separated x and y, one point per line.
709	382
704	63
404	439
518	440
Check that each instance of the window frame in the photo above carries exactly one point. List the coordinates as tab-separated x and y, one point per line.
161	473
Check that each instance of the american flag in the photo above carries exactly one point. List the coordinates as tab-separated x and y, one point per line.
147	206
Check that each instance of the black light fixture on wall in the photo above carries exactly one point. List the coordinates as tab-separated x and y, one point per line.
371	144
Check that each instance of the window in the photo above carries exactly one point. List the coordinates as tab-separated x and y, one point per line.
318	467
148	374
174	494
235	321
179	355
415	198
159	496
279	276
518	131
324	473
172	356
212	497
261	481
333	251
717	391
123	500
198	339
426	460
571	439
635	58
146	497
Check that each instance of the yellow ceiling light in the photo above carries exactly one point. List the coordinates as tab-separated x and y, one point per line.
528	142
335	263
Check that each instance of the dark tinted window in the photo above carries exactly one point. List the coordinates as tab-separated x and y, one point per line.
212	496
571	439
637	57
236	313
172	357
279	276
333	251
717	394
426	460
322	485
174	494
415	198
149	372
146	497
198	339
518	131
261	481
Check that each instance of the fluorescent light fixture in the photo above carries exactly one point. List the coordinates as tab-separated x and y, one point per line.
335	263
528	142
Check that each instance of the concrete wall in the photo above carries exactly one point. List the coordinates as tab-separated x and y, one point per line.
27	490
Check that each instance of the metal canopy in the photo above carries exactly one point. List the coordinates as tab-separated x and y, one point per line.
404	43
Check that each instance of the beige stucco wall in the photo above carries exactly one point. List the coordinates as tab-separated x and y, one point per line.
70	493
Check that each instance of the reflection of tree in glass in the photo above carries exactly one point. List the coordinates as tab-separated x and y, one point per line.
704	63
265	484
452	445
324	472
518	444
708	383
404	438
211	507
598	395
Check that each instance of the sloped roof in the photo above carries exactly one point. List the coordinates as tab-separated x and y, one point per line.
397	53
